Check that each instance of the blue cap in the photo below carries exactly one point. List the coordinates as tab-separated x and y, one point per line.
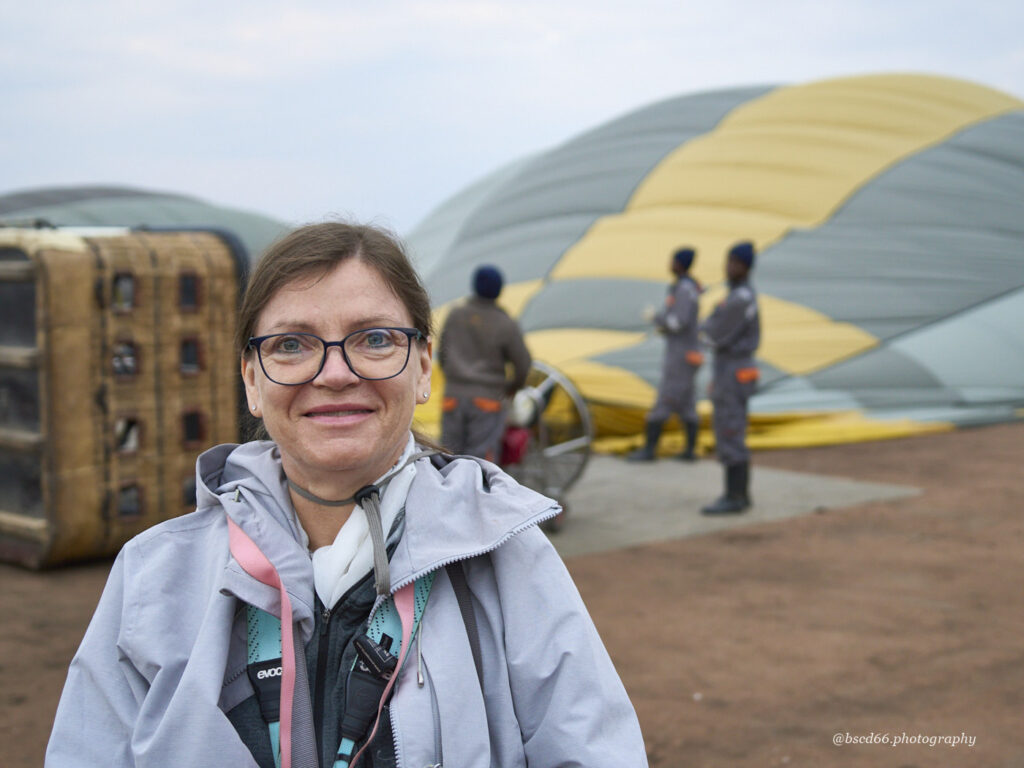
743	252
684	257
487	282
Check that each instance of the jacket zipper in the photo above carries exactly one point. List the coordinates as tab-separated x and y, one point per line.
436	716
395	586
435	711
320	687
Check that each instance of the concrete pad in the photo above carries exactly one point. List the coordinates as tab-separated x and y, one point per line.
618	504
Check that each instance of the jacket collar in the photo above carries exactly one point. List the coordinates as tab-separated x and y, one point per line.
247	482
456	508
459	508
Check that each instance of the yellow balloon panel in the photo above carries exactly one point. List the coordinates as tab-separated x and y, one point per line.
561	346
804	150
515	296
792	430
888	103
785	160
599	383
799	340
638	244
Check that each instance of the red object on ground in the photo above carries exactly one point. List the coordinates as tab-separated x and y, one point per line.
513	445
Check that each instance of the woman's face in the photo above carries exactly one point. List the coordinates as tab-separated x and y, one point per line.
338	429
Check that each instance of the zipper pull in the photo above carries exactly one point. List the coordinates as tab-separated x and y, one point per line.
325	616
419	660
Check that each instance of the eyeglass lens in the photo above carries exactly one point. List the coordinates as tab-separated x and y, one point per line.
295	358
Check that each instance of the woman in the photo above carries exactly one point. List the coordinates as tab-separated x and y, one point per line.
265	627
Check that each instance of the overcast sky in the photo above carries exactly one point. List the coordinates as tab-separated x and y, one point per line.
382	110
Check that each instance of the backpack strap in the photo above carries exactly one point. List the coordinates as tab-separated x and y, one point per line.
265	670
457	576
256	564
391	628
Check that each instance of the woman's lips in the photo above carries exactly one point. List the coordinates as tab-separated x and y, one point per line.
339	414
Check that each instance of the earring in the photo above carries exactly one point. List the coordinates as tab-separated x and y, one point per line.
426	395
254	407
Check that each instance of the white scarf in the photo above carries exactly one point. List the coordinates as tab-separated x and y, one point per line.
337	567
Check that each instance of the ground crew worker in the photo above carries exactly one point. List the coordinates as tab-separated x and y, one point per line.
677	320
477	341
733	331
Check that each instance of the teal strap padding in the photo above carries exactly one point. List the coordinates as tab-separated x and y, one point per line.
264	638
387	622
275	741
264	644
345	750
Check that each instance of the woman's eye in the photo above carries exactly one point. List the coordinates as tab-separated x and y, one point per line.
377	339
289	344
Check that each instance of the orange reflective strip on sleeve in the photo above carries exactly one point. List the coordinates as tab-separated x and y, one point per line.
693	357
449	404
487	405
747	375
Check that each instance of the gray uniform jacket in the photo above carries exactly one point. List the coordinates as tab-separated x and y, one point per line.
165	654
477	340
677	320
733	329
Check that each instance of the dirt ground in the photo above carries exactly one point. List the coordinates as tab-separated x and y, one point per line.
750	647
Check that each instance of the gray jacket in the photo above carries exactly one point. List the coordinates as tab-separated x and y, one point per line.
733	329
477	340
165	654
677	319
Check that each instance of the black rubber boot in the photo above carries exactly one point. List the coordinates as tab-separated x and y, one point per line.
742	489
689	453
735	499
647	453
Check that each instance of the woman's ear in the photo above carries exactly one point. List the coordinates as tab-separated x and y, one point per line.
252	393
425	352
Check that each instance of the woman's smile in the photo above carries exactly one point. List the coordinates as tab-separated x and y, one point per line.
339	414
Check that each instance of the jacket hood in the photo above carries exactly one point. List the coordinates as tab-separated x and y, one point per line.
251	471
246	481
457	507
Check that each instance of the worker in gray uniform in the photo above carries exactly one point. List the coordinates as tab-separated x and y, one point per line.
477	341
733	331
677	321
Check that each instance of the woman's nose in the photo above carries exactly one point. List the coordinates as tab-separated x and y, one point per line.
335	371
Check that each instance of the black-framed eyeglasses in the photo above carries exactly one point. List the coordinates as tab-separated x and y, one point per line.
371	353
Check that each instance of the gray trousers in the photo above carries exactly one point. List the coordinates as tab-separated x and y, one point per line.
473	426
676	392
731	388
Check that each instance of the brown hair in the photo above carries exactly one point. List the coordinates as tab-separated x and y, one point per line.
314	250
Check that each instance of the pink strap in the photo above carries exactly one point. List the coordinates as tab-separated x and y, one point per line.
256	564
405	604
